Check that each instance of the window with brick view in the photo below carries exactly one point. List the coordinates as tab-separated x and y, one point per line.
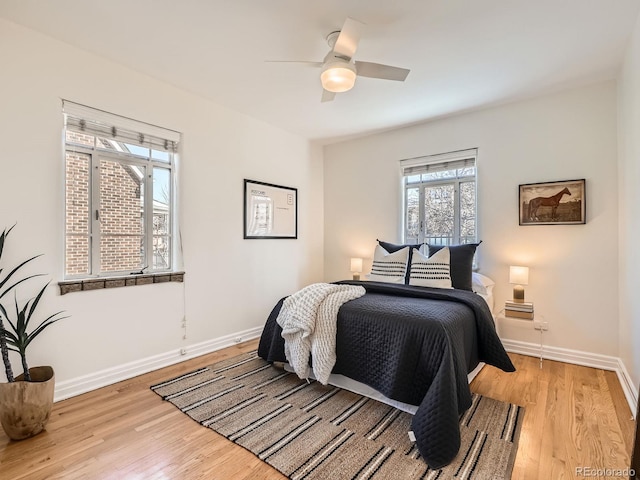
119	216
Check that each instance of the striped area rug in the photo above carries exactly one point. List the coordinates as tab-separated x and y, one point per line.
311	431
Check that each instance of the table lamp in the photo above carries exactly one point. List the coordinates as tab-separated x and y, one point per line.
518	276
356	268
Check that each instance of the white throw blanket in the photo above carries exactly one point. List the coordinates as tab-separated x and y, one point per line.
309	323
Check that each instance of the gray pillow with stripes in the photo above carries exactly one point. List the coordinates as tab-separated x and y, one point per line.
389	267
433	271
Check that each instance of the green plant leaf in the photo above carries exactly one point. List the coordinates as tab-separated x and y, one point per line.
16	331
10	274
6	317
49	321
11	338
4	235
35	302
20	317
19	339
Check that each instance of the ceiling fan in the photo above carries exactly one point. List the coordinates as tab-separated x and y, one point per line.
339	70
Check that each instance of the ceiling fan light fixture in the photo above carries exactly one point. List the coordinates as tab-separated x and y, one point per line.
338	77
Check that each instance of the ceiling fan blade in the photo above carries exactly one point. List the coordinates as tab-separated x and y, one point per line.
377	70
347	42
327	96
301	62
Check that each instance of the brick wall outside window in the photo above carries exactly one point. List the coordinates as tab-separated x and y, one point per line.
121	204
121	198
77	218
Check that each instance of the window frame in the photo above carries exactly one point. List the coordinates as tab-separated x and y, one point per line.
95	156
438	161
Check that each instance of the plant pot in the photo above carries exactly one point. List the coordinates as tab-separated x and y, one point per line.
25	407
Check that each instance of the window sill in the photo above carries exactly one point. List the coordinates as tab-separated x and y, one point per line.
69	286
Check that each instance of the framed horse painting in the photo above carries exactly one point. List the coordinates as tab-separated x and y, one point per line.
552	203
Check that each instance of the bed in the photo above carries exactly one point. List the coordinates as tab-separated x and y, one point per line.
422	324
414	345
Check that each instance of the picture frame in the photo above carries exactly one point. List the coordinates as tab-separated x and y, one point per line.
552	203
270	211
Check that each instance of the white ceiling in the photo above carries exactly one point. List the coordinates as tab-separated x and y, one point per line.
463	54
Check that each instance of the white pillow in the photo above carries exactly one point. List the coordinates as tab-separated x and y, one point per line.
389	267
481	283
431	271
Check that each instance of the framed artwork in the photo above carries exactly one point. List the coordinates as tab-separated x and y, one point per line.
270	211
552	203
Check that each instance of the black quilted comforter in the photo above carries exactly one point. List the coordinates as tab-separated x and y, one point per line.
415	345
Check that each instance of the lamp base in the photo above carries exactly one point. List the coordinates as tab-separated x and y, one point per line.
518	294
356	276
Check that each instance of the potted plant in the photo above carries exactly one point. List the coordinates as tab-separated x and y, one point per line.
26	400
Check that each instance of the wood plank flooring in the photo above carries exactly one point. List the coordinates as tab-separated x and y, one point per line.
575	416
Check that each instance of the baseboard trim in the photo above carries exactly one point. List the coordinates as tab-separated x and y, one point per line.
577	357
629	389
86	383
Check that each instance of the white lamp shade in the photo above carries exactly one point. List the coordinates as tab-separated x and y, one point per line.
338	77
356	265
519	275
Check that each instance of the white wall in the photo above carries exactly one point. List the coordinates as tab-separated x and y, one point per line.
231	284
629	187
573	269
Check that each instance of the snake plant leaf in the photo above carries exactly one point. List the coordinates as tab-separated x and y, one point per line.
19	337
4	290
21	316
35	301
49	321
10	274
6	317
3	236
12	340
14	332
10	336
8	333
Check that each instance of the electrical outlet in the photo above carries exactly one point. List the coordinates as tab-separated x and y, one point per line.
542	326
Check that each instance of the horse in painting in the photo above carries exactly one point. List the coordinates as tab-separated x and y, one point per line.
552	202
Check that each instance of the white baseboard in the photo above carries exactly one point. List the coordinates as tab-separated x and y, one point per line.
629	389
577	357
86	383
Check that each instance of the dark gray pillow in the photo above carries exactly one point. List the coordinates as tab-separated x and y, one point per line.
394	247
461	263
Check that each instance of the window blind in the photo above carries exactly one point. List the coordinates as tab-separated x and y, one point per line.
108	125
438	163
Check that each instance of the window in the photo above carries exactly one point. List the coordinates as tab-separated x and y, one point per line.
119	194
440	198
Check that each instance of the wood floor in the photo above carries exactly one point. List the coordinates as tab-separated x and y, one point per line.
575	417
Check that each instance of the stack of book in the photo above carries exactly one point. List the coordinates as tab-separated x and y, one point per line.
519	310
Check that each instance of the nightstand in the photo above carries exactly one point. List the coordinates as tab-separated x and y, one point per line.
536	322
